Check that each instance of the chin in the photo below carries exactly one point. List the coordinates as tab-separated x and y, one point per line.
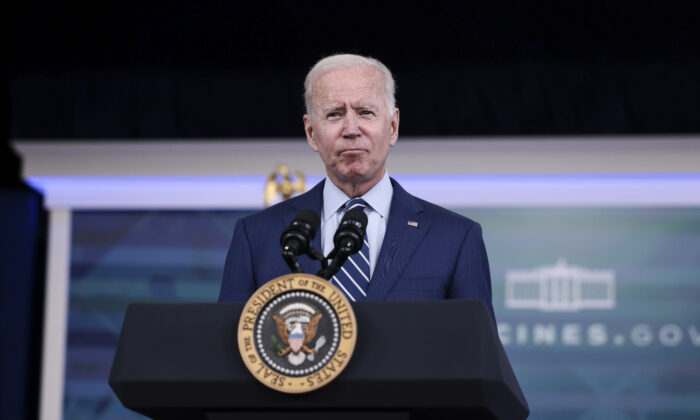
353	172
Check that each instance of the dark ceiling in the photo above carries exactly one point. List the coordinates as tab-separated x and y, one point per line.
163	69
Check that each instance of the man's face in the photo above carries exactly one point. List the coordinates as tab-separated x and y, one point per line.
350	126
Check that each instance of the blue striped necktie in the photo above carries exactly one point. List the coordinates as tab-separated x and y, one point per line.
353	277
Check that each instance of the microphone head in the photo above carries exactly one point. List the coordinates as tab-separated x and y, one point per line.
351	230
310	218
297	236
356	215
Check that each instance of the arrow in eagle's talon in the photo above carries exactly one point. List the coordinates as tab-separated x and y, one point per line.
319	343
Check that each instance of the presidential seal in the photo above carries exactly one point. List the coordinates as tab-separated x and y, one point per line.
297	333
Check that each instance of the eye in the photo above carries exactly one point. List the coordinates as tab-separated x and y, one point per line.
366	112
333	114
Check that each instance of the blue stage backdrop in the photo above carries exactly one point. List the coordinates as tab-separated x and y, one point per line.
597	307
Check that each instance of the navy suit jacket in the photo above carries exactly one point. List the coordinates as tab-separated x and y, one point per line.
442	256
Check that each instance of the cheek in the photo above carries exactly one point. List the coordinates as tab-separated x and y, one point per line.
326	150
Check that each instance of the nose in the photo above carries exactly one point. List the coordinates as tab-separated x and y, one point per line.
351	126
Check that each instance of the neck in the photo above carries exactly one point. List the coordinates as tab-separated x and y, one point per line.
356	189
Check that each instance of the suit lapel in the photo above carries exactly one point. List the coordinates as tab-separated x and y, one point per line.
407	227
312	200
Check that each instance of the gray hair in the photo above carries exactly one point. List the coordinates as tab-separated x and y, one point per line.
346	61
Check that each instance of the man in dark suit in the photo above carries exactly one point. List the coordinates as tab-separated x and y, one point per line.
415	249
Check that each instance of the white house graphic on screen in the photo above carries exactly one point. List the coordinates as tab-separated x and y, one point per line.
560	288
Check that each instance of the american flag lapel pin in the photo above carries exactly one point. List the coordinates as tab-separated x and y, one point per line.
412	223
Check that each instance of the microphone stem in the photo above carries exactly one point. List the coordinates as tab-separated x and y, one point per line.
292	262
341	255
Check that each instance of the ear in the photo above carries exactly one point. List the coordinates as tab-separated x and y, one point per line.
394	127
308	129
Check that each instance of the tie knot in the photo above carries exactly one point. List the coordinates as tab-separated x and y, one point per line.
355	202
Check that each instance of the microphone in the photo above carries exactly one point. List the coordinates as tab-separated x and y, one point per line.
351	231
348	240
297	237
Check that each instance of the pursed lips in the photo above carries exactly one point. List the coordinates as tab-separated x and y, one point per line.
351	151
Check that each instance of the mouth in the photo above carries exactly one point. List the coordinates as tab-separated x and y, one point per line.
351	151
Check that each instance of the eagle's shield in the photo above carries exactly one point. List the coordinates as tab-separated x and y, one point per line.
296	340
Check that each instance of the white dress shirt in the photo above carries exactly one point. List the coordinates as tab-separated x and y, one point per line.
378	204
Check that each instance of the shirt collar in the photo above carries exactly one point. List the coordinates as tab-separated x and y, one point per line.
378	198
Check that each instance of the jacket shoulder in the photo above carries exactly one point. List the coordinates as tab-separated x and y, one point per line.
433	211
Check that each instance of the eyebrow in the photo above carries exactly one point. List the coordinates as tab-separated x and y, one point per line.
333	108
342	108
372	107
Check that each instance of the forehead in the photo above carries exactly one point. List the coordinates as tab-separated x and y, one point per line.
352	84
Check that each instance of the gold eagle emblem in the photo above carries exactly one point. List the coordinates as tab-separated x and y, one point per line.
280	182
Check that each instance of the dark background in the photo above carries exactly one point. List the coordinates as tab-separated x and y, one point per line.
165	69
223	69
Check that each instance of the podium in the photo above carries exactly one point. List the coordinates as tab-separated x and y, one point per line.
413	360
